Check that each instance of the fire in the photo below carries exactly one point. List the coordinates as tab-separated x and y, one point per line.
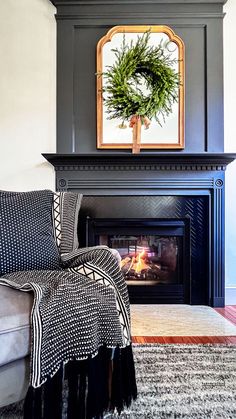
135	263
139	264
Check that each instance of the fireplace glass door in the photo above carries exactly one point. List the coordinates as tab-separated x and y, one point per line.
147	259
154	255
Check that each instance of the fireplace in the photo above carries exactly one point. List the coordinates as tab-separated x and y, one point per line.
181	222
155	255
174	186
182	219
178	185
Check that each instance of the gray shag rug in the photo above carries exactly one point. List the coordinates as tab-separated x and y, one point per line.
177	381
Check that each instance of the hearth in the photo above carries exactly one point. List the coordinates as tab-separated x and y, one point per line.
155	255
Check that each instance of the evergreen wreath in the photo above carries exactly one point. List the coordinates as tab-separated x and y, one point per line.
134	64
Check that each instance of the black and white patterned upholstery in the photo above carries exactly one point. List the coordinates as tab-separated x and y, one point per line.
80	319
66	206
26	234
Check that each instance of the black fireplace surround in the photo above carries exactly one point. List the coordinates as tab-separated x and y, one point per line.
168	186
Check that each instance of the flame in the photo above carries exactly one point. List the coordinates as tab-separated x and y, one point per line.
136	263
140	264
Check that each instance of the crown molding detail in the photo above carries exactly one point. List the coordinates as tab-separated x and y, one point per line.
147	162
124	2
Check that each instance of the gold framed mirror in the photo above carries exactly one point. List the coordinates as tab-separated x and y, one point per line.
116	133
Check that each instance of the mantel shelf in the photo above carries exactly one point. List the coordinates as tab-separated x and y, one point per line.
172	159
112	2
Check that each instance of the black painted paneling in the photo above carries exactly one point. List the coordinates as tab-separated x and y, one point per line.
196	174
81	24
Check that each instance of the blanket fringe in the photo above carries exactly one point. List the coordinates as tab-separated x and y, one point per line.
95	386
53	396
76	375
123	383
33	403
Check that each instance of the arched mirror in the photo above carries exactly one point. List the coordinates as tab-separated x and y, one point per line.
118	132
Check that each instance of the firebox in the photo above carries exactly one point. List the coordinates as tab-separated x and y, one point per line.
155	255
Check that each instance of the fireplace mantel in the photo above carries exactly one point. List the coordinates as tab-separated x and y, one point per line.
158	185
136	174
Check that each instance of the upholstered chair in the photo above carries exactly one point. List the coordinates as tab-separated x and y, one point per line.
38	234
18	211
15	308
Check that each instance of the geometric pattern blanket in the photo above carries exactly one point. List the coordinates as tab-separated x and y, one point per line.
80	324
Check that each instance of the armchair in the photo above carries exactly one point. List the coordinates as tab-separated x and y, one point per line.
15	308
64	312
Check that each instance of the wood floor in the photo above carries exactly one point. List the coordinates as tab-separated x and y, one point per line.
229	312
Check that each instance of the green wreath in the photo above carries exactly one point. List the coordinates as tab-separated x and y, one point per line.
136	64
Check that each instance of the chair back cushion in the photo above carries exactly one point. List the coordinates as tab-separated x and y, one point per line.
27	239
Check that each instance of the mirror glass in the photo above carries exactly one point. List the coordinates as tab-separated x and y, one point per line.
111	133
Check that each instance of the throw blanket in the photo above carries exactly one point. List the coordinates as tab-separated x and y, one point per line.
80	331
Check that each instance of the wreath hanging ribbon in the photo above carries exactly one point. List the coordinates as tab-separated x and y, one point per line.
145	120
137	65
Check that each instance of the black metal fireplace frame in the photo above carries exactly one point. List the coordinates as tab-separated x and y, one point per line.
160	226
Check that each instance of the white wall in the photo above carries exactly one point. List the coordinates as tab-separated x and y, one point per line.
230	138
27	93
28	103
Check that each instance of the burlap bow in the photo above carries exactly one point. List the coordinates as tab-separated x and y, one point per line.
144	120
136	122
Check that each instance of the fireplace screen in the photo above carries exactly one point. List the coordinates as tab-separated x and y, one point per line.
154	252
147	258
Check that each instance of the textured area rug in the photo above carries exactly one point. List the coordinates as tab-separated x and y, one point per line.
178	320
178	381
181	381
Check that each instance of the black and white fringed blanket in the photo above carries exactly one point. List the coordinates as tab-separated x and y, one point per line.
80	329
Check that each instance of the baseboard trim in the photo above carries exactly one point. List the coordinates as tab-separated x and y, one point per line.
218	302
230	296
